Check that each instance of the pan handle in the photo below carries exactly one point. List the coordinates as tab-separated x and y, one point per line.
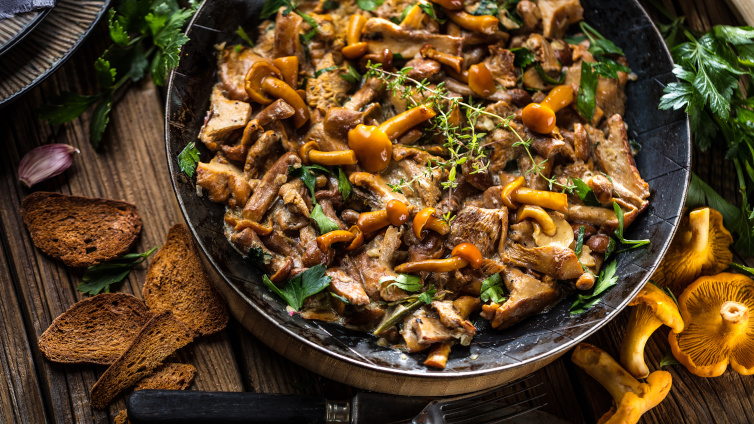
194	407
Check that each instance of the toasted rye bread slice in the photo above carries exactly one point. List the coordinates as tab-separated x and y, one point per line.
176	281
80	231
96	330
158	339
170	376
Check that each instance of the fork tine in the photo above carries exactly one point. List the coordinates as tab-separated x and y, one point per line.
495	415
485	398
488	406
462	401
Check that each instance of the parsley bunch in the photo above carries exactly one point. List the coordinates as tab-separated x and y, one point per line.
147	37
715	74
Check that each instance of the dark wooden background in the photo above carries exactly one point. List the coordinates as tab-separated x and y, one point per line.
34	289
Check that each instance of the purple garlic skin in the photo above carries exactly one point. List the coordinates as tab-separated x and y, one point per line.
45	162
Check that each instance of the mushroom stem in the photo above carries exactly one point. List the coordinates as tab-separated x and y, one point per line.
735	320
699	224
545	199
280	90
432	265
641	324
603	368
399	124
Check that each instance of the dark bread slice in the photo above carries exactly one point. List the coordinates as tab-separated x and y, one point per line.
96	330
158	339
170	376
176	282
80	231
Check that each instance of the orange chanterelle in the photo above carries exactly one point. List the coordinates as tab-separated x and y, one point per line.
409	169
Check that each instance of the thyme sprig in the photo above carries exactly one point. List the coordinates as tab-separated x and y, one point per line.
464	143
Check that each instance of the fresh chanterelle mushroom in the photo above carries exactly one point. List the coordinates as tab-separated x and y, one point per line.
651	308
719	329
700	247
632	398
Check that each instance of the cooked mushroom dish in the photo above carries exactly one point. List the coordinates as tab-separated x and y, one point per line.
400	169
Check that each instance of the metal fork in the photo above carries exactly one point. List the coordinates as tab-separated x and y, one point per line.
489	406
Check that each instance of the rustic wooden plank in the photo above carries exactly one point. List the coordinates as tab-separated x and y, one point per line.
131	167
20	394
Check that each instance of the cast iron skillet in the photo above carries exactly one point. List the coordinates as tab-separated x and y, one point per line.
664	162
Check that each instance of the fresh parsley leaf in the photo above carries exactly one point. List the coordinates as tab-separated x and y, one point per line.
145	35
668	360
546	78
610	248
511	11
486	7
100	118
586	100
271	7
66	107
258	256
323	70
307	175
599	45
105	74
244	36
428	295
429	9
117	33
580	241
344	186
585	193
606	280
100	277
619	232
575	39
407	282
353	76
324	223
492	289
330	5
341	298
700	194
188	158
302	286
523	57
368	5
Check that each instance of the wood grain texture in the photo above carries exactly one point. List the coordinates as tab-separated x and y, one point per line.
132	167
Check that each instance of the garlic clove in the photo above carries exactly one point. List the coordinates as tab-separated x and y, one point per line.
45	162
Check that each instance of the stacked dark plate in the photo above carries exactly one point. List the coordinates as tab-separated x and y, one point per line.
35	43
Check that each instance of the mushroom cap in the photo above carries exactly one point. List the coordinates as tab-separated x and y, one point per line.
711	339
700	247
662	306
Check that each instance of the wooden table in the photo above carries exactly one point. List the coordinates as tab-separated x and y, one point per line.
35	289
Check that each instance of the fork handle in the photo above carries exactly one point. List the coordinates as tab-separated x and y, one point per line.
194	407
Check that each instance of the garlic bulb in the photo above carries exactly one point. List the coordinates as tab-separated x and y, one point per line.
45	162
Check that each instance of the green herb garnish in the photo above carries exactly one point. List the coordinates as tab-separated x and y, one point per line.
580	241
368	5
188	158
307	173
585	193
407	282
606	280
244	36
302	286
492	289
146	37
323	70
353	76
668	360
100	277
324	223
619	232
344	186
258	256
